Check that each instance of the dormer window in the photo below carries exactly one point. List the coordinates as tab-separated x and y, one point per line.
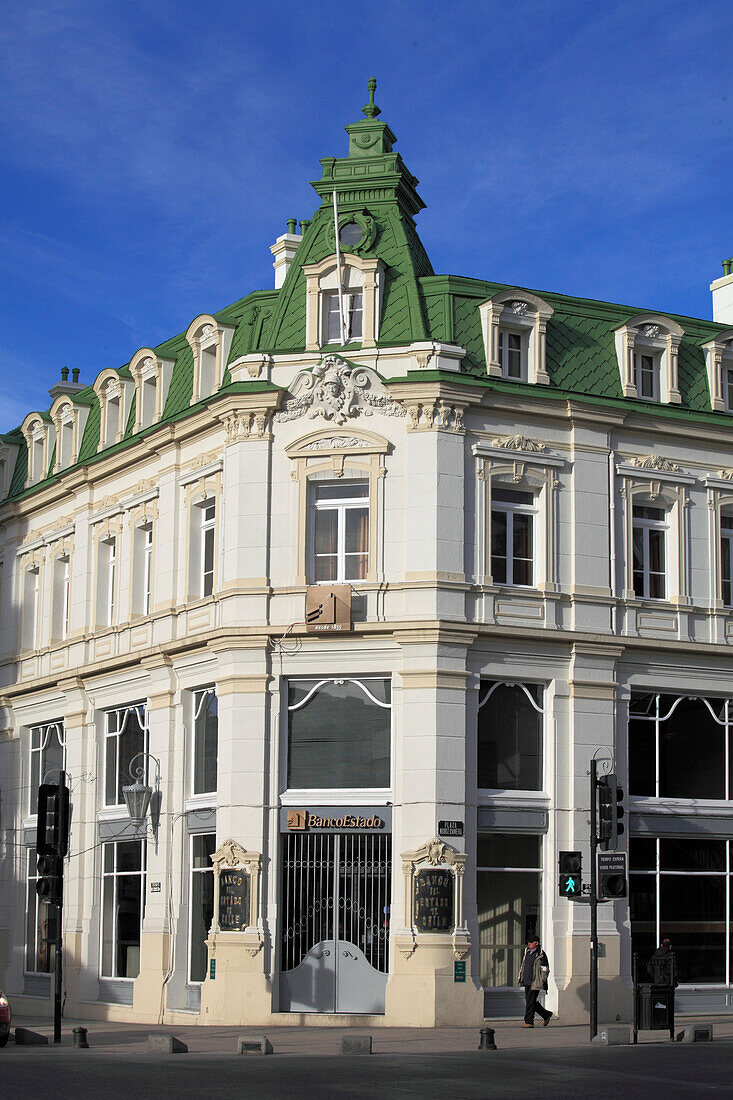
514	325
353	316
719	362
114	389
210	342
362	285
69	420
40	438
152	376
647	347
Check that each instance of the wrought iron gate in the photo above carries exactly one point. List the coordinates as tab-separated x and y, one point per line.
334	940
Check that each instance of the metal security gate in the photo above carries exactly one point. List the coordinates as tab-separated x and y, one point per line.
335	922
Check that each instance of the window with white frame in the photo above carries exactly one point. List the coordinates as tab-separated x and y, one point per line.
142	581
47	749
510	718
512	354
61	598
339	733
726	558
201	909
40	924
31	601
650	552
512	536
125	735
339	530
123	901
106	580
353	316
203	548
728	388
205	741
646	375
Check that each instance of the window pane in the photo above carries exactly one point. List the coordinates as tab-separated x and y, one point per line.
522	539
204	847
508	906
326	568
643	915
128	926
326	531
110	783
344	490
692	855
512	496
129	856
642	758
656	551
498	546
509	740
692	752
202	902
500	850
108	908
132	742
642	854
206	740
692	916
340	737
357	530
355	567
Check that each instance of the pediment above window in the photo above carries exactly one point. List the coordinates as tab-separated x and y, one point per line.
152	376
514	326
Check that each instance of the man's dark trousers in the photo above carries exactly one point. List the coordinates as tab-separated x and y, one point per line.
532	1006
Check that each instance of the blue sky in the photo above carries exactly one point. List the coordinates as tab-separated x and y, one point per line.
151	153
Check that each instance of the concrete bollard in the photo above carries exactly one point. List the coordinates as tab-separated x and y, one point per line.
254	1044
80	1038
700	1032
613	1036
24	1037
486	1041
356	1044
166	1044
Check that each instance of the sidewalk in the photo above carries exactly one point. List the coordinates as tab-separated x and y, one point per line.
111	1037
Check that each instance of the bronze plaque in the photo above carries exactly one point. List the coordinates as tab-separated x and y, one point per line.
233	900
434	900
327	608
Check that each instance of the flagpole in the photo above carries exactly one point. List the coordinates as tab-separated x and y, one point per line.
342	326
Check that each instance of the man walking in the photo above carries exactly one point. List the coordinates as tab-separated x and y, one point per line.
533	976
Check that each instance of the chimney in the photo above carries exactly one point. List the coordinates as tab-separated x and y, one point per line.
284	250
65	386
722	291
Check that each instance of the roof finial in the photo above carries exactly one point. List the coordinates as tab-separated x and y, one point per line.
371	110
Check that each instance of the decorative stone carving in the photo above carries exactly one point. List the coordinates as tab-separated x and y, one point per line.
726	475
654	462
231	854
338	442
518	307
251	424
337	391
519	443
427	415
650	331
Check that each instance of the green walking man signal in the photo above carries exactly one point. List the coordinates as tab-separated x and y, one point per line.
570	868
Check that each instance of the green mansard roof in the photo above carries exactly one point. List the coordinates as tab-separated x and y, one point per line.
418	305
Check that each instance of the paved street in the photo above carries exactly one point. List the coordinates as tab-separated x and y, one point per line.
552	1062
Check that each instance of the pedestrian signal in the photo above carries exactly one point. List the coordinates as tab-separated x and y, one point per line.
570	868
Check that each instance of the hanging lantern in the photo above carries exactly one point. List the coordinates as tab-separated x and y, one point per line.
137	799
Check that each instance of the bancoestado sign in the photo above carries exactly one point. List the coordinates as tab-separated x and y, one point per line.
327	819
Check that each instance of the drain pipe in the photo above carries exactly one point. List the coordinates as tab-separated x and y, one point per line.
612	535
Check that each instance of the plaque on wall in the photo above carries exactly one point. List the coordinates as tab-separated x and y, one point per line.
233	900
433	900
450	828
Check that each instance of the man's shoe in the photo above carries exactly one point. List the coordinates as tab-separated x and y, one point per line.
546	1021
527	1025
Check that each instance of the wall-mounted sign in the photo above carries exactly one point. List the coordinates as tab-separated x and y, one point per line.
154	887
450	828
336	819
433	900
327	608
459	970
233	900
212	969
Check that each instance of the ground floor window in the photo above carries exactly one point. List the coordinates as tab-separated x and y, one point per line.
123	900
508	883
202	902
40	936
680	889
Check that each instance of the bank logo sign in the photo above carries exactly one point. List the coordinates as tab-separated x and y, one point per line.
300	820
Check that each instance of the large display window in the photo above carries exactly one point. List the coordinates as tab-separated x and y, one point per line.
510	736
508	890
680	746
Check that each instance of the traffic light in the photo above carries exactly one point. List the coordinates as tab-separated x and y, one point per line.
52	829
50	881
570	867
610	812
612	877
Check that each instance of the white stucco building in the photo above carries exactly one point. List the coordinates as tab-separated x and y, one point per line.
527	501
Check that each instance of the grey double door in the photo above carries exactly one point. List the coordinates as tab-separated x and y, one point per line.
334	929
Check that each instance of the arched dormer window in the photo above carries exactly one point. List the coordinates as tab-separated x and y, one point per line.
647	347
69	420
362	284
210	341
514	325
40	438
8	456
114	391
719	363
152	377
